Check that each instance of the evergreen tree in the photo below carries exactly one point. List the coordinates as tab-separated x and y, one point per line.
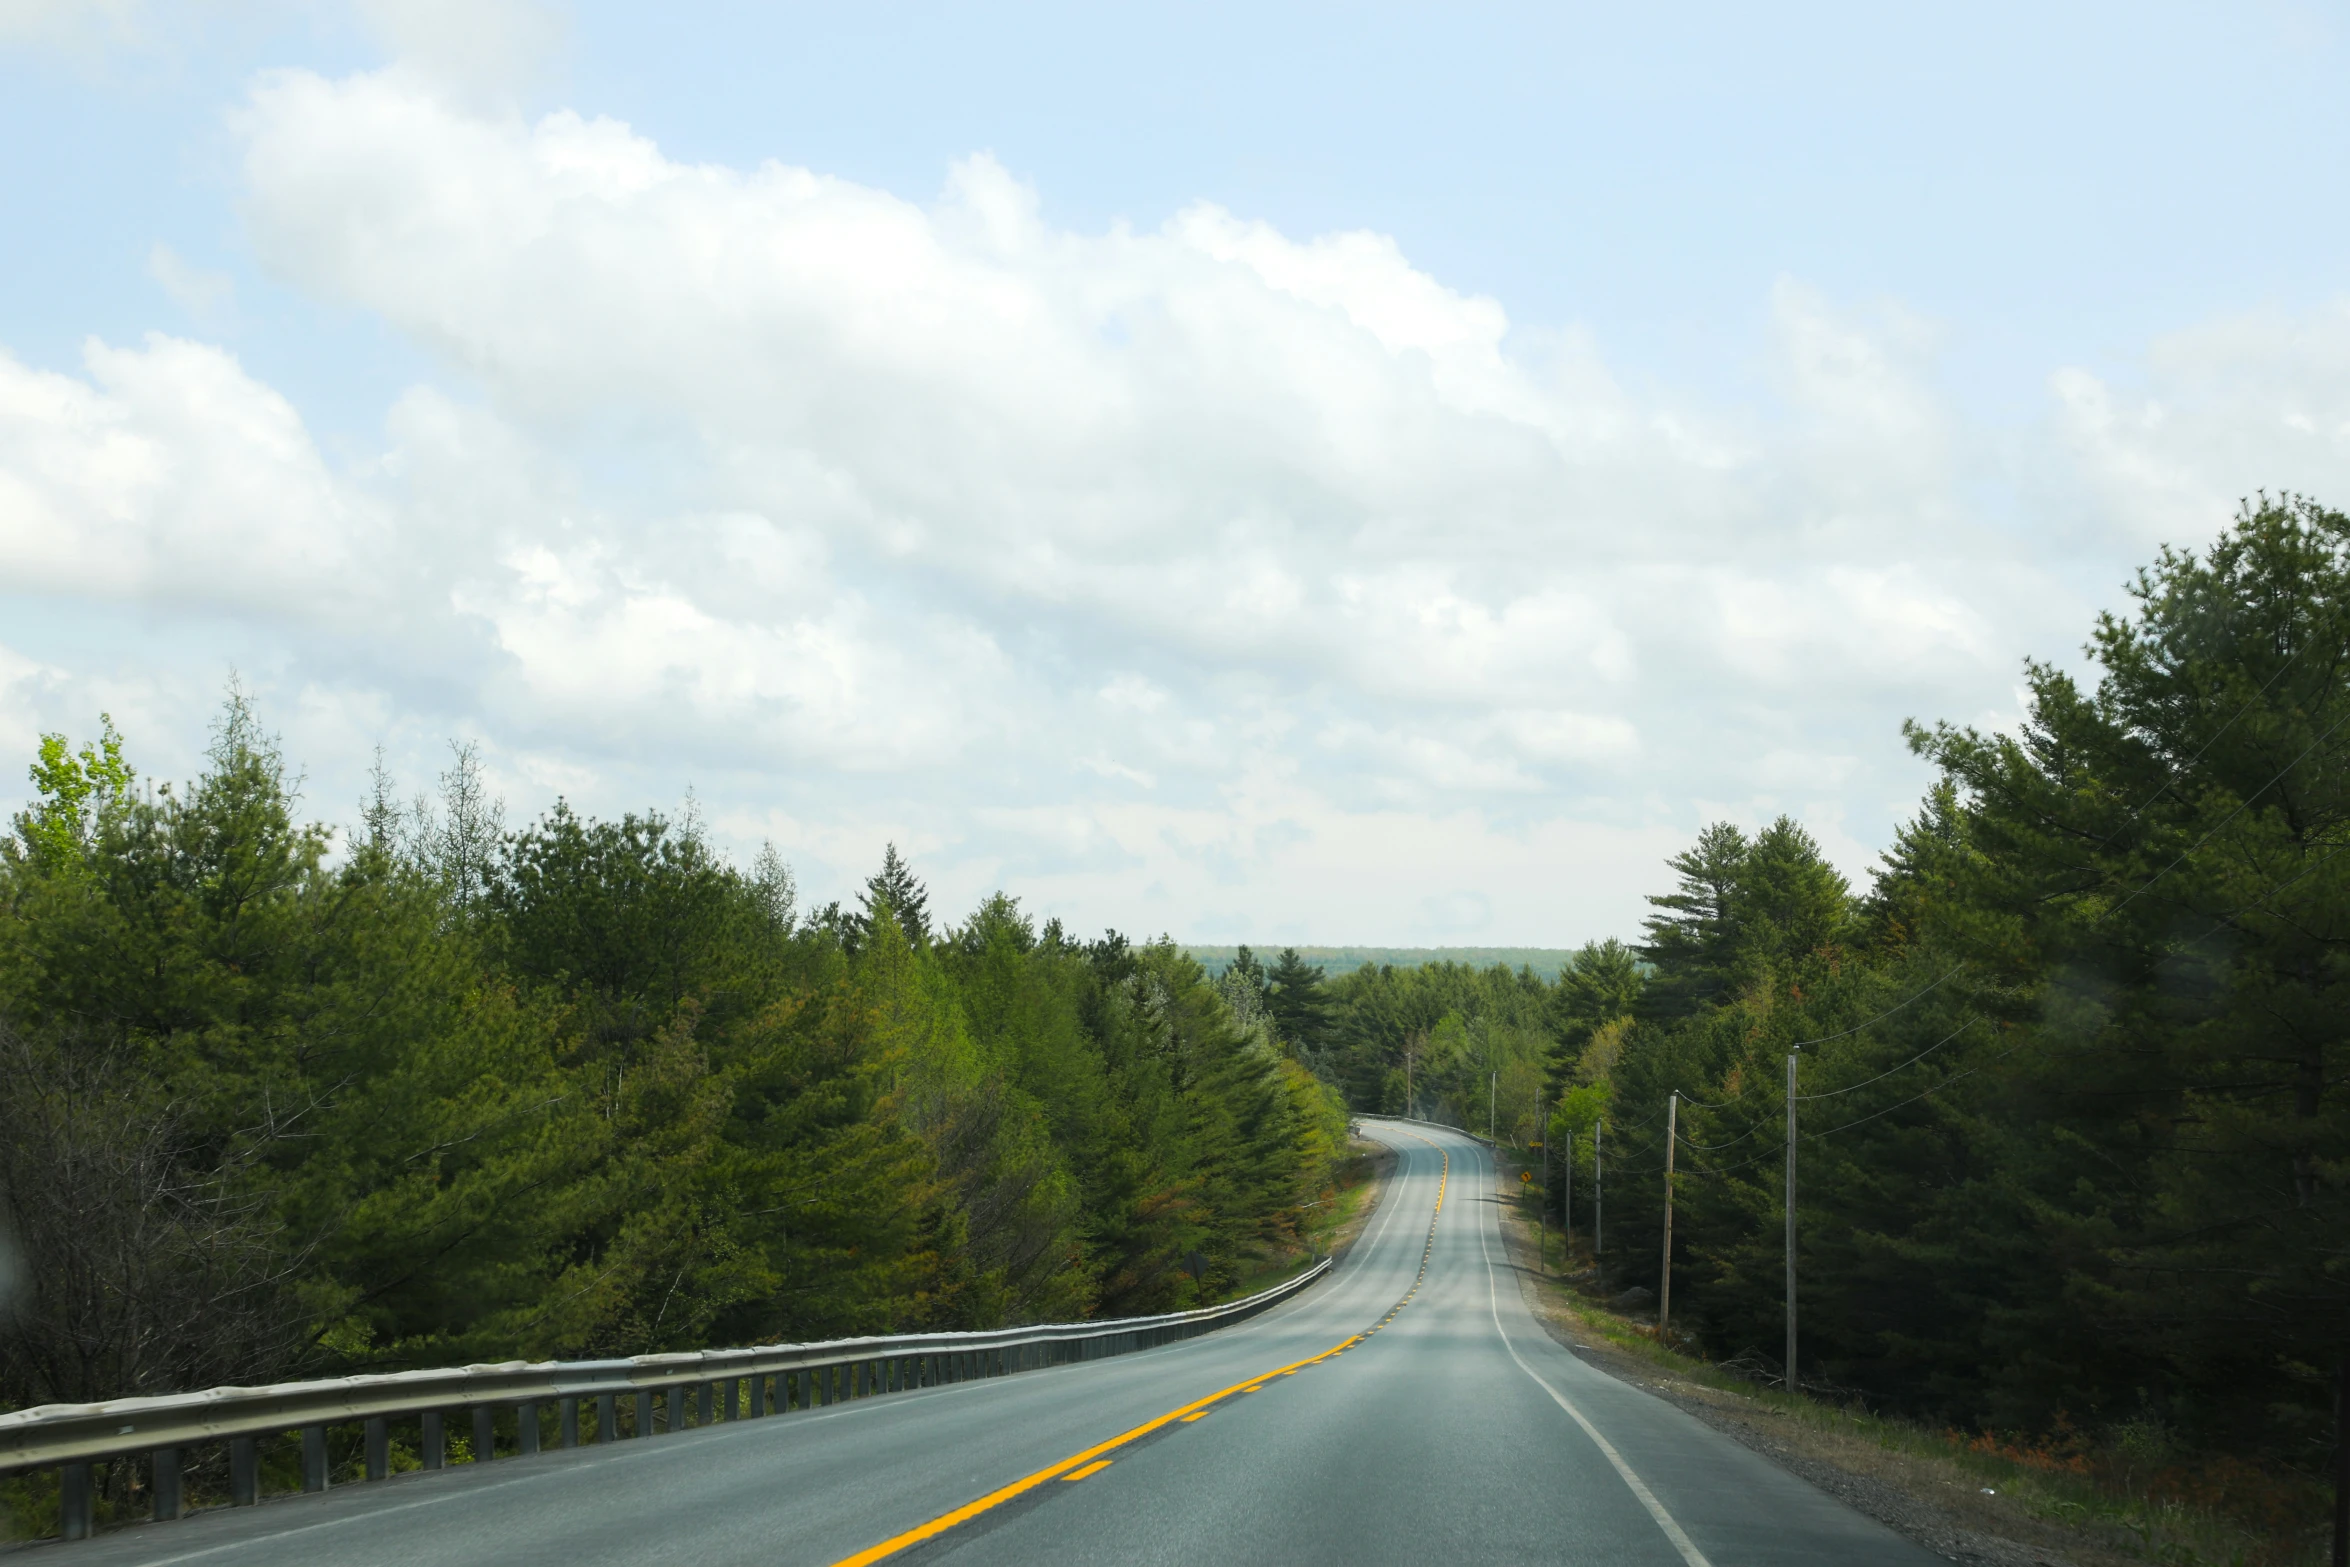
894	887
1693	943
1299	1005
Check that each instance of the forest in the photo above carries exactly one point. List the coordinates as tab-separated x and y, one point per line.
2071	1134
277	1100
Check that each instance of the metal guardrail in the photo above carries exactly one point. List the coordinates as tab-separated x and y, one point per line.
726	1384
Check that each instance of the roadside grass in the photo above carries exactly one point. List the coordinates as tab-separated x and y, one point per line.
2125	1492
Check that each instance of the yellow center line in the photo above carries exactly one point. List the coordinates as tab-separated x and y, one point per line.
1076	1461
1078	1465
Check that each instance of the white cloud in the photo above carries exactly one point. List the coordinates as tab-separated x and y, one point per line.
203	295
1204	578
478	47
170	474
77	25
2244	403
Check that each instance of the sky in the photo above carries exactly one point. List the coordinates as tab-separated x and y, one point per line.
1366	474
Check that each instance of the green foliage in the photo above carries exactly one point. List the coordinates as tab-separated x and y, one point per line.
2074	1138
74	791
582	1088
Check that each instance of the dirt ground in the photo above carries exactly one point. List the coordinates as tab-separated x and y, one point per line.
1939	1505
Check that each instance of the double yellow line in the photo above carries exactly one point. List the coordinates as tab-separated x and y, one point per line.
1077	1466
1088	1462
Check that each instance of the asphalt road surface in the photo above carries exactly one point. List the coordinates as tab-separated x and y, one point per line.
1457	1431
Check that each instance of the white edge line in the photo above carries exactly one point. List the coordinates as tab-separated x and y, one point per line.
1639	1488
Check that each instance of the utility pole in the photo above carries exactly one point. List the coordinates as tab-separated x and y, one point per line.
1791	1383
1542	1204
1567	1208
2342	1466
1407	1080
1664	1294
1492	1103
1598	1200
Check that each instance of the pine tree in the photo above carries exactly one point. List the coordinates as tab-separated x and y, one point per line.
1300	1005
894	886
1692	944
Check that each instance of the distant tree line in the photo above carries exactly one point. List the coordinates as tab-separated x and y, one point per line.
275	1102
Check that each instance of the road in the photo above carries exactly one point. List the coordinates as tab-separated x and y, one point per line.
1457	1431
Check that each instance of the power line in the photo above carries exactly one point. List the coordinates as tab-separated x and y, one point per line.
2241	806
1889	1071
1914	1098
2173	773
1880	1017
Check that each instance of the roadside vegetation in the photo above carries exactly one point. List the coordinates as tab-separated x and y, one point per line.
277	1100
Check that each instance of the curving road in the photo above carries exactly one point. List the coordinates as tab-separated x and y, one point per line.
1458	1430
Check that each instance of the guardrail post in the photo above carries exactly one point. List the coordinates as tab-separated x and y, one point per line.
644	1412
607	1418
77	1505
168	1490
485	1433
704	1414
526	1427
758	1396
379	1448
244	1472
314	1458
434	1439
568	1427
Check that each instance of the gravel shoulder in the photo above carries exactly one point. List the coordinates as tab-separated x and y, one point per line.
1936	1503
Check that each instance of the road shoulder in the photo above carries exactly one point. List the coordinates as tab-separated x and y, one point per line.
1933	1505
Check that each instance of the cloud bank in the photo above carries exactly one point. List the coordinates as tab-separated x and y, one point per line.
1203	578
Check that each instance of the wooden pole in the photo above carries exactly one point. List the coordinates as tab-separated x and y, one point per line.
1567	1205
1664	1294
2342	1467
1542	1203
1791	1380
1598	1200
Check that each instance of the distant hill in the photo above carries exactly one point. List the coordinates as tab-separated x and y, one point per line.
1545	961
